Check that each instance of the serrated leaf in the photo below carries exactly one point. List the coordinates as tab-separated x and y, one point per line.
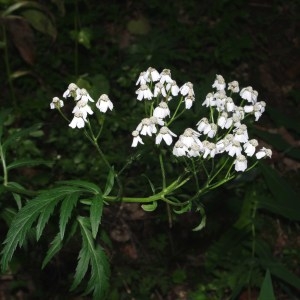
28	162
96	210
266	290
109	182
66	211
55	247
25	218
98	282
150	206
88	186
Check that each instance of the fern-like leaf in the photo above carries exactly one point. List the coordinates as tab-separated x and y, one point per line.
56	246
66	210
85	185
96	210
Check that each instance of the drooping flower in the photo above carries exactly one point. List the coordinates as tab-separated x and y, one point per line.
209	100
56	103
165	134
233	86
142	79
165	76
159	88
136	139
83	107
202	124
144	92
152	74
219	83
250	146
195	150
249	94
78	120
179	149
189	137
145	127
263	152
71	91
240	163
82	94
187	89
162	110
173	87
189	100
104	103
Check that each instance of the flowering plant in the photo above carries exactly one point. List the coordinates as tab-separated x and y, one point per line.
218	146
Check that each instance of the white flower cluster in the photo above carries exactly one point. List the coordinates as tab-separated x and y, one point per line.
82	108
227	135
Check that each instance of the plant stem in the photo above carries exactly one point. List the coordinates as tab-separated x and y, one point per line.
5	175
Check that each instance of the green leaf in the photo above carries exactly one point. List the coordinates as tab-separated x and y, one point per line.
285	201
40	21
3	117
183	209
149	207
88	186
266	290
150	183
109	182
96	210
55	247
203	219
28	162
66	209
95	256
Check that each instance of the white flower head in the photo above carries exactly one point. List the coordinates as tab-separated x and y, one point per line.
250	146
263	152
219	83
233	86
240	163
71	91
234	148
82	94
202	124
162	110
165	76
78	120
189	137
249	94
195	150
104	103
142	79
152	74
83	107
145	127
187	89
212	130
180	149
56	103
144	92
173	87
209	100
189	100
159	88
229	104
165	134
136	139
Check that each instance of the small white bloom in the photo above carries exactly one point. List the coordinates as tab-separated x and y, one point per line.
82	94
165	134
202	124
71	91
229	104
142	79
259	108
209	100
152	74
144	92
190	137
56	103
263	152
83	107
219	83
234	148
222	119
162	110
241	134
213	130
173	87
156	121
145	127
104	103
136	139
187	89
249	94
194	150
78	120
221	145
240	163
179	149
159	88
165	76
189	100
250	146
234	86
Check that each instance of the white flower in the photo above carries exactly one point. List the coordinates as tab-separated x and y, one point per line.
263	152
241	134
259	108
104	103
142	79
249	94
173	87
221	145
189	100
179	149
219	83
250	146
136	139
187	89
240	163
209	100
165	134
155	121
234	148
144	92
152	74
83	107
161	111
202	124
145	127
165	76
194	150
234	86
56	103
213	130
159	88
71	91
229	104
190	137
222	119
78	120
82	94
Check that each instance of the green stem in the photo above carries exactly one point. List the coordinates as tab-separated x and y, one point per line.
163	173
5	174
